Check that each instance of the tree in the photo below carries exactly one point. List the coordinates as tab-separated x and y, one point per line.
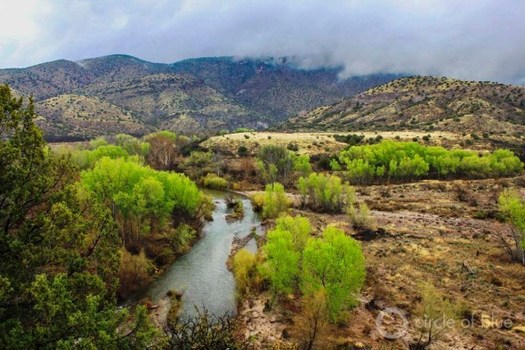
433	315
164	151
274	163
59	249
325	193
336	263
275	201
512	207
282	261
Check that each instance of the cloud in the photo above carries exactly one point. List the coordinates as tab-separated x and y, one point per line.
472	39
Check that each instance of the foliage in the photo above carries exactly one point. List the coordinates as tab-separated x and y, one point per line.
198	164
313	319
301	164
275	163
258	201
242	151
135	271
325	193
214	182
434	313
275	201
281	264
512	207
164	149
361	218
59	249
86	159
181	238
298	226
336	263
244	271
204	332
411	160
142	200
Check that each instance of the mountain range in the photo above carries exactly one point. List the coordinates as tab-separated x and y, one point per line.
120	93
423	103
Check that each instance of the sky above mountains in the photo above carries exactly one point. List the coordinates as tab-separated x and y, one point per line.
469	39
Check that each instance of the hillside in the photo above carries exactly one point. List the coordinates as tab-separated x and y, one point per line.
74	116
425	104
193	96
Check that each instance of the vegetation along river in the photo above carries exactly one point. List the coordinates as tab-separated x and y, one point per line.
201	274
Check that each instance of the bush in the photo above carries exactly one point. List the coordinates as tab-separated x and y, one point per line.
275	201
257	201
245	271
135	271
214	182
361	218
325	193
242	151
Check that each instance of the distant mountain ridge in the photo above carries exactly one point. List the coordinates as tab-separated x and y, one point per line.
425	104
194	95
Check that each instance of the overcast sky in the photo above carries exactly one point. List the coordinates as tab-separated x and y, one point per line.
470	39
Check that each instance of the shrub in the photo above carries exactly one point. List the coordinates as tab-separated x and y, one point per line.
244	271
214	182
135	271
293	147
275	201
258	201
325	193
361	218
242	151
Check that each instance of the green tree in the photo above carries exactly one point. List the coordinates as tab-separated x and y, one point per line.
282	261
336	263
512	207
275	163
275	201
59	249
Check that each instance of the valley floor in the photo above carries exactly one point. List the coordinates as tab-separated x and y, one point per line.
444	232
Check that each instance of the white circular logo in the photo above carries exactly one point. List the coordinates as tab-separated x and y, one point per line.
392	323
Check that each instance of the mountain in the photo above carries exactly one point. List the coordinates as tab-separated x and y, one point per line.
424	103
77	116
194	96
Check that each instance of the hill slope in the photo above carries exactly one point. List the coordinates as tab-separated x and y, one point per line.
196	95
424	103
74	116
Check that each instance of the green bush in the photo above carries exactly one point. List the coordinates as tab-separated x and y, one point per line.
325	193
275	201
245	271
214	182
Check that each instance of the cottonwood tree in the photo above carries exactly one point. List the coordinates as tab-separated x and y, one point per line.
512	207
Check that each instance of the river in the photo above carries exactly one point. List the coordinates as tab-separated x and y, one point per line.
201	274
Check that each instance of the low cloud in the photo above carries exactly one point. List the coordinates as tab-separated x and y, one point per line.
476	39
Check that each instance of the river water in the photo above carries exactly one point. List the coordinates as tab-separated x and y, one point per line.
201	274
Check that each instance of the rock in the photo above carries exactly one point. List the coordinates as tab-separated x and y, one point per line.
359	345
